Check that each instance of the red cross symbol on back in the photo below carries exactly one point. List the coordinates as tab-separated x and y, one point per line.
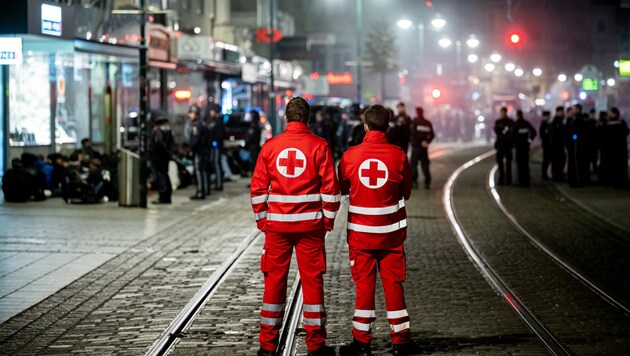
291	162
373	173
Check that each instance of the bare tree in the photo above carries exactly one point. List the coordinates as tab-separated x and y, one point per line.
380	49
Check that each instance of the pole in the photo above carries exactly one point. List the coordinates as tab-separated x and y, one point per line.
142	145
359	30
272	89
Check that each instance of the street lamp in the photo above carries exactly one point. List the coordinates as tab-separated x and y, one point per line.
519	72
438	22
445	42
404	24
578	77
610	82
472	42
562	77
473	58
537	72
509	66
489	67
495	57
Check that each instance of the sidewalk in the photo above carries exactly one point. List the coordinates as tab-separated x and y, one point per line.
45	246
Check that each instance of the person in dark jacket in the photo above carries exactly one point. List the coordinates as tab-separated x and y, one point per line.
523	133
558	143
577	172
617	136
17	183
217	131
503	145
162	151
421	136
358	131
252	139
400	131
603	147
545	139
200	143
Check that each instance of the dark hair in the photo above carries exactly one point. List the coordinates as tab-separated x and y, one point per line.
400	103
419	111
578	106
377	118
503	108
298	110
519	114
546	113
615	111
559	108
84	141
255	115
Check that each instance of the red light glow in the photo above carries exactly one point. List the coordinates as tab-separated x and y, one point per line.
183	95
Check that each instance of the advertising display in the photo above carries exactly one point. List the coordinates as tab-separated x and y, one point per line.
51	20
10	50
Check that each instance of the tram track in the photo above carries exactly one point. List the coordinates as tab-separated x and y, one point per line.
552	344
572	270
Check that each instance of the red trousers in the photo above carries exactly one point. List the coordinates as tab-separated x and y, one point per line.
391	264
274	263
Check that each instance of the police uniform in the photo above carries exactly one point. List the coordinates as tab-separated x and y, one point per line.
503	145
217	131
295	198
163	147
558	143
377	176
545	139
200	146
617	138
421	131
523	133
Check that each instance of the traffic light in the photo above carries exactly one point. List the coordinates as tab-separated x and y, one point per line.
515	38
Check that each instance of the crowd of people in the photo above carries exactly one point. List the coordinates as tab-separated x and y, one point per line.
577	148
84	176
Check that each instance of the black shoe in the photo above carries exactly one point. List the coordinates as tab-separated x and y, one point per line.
355	348
263	352
324	351
410	348
197	197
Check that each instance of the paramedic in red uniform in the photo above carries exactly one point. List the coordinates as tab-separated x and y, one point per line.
377	176
295	197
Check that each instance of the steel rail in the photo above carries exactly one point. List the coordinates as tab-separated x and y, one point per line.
492	190
492	277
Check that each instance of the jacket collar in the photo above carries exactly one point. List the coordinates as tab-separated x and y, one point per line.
296	127
374	136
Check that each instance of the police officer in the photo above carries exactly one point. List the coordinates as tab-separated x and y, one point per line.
200	144
400	128
217	131
295	198
578	148
252	138
545	139
559	157
421	136
503	145
617	134
162	150
523	133
377	176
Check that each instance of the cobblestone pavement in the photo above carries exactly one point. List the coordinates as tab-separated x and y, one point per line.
453	310
124	305
597	248
585	323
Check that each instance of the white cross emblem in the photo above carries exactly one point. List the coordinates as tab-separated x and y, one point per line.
291	162
373	173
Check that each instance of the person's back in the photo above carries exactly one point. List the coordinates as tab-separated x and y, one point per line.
295	198
16	183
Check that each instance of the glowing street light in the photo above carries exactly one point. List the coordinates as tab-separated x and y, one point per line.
582	95
519	72
495	57
472	42
445	42
562	77
489	67
578	77
610	82
537	72
473	58
438	23
509	66
436	93
404	24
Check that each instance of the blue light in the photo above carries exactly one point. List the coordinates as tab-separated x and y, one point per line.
574	137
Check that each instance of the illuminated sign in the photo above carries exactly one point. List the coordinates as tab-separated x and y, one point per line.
624	68
51	20
343	79
589	84
10	50
182	95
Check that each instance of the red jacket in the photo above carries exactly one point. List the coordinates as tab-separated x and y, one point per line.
378	177
294	187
